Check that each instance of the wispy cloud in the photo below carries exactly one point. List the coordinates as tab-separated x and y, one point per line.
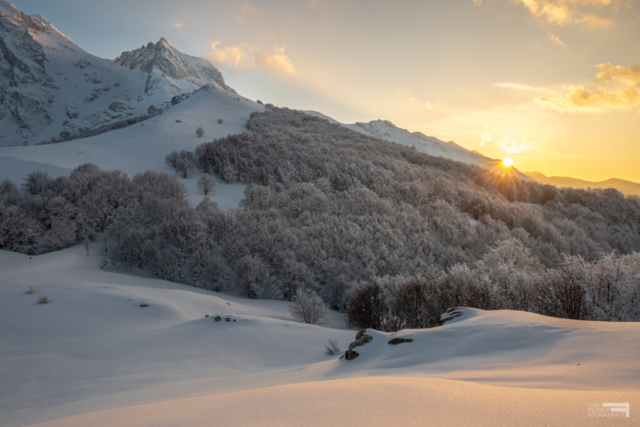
313	3
532	128
245	10
615	87
180	24
402	98
588	13
512	144
518	86
515	146
555	39
251	56
485	136
576	12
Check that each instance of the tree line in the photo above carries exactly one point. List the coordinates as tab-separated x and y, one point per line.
354	219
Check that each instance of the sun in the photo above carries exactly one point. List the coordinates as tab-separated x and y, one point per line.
507	162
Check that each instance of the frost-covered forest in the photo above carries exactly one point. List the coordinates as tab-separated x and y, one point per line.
391	236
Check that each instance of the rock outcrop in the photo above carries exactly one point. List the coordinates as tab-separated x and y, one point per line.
396	341
362	338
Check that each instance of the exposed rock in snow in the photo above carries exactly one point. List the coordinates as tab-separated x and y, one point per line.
169	69
361	339
396	341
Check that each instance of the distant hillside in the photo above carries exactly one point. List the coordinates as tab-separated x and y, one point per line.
386	130
626	187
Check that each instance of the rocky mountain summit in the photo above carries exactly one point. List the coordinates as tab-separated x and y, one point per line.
52	90
170	69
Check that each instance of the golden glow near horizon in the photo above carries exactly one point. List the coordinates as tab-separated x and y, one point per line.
508	162
551	84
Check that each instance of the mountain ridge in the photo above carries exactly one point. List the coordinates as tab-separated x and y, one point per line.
624	186
385	129
51	89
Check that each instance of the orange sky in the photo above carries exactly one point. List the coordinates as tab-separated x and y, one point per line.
553	84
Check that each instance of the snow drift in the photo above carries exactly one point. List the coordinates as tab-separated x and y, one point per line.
105	351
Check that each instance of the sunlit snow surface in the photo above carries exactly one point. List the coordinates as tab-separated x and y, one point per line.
94	348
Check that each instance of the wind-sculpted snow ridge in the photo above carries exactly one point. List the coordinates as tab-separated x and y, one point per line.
142	351
51	90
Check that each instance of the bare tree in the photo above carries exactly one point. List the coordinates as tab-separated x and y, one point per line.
367	305
172	159
184	166
200	132
206	183
333	347
308	307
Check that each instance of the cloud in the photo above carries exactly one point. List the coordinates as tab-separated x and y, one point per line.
512	146
313	3
555	39
533	129
245	10
576	12
588	13
251	56
517	86
486	135
404	99
615	87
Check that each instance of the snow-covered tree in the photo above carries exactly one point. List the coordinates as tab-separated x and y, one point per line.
184	166
206	184
62	234
36	182
253	274
308	307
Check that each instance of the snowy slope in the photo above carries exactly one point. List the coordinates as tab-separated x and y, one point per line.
387	401
143	146
52	88
386	130
167	364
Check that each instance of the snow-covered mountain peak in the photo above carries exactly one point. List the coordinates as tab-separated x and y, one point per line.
52	90
170	68
34	24
8	9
